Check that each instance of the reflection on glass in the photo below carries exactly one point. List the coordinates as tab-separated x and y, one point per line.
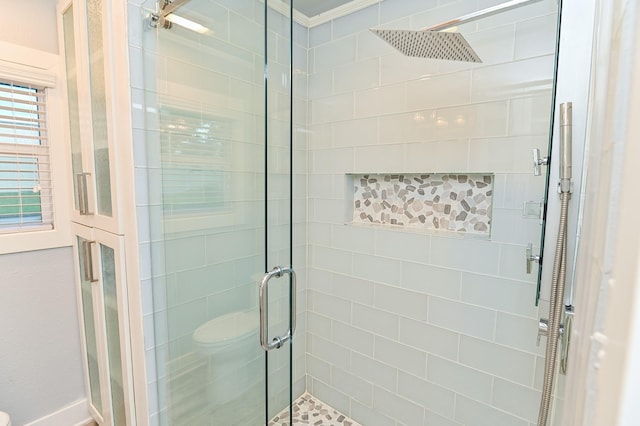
110	295
72	97
89	331
99	106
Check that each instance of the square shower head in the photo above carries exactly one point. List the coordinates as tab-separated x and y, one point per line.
429	44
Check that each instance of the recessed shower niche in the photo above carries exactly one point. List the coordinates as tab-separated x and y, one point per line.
450	202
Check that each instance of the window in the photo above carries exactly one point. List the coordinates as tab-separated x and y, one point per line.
26	202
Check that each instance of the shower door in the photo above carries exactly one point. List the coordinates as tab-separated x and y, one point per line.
217	99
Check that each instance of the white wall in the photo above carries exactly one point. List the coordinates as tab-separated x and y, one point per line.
40	358
423	328
29	23
603	377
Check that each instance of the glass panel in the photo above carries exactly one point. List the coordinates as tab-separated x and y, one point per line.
204	94
99	106
278	143
110	295
89	329
72	98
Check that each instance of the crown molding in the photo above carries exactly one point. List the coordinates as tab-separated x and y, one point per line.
322	18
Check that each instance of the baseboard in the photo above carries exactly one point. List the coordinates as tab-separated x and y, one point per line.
76	414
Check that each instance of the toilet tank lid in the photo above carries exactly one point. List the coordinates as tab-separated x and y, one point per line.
226	327
4	418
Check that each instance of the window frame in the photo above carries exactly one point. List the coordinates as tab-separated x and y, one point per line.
39	68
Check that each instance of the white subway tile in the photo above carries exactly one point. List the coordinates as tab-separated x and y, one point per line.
331	396
352	385
487	119
406	303
380	100
332	108
407	246
332	161
353	238
375	321
356	339
394	9
369	416
461	317
334	53
536	36
355	132
332	211
355	22
319	34
448	156
497	360
397	68
433	419
318	368
329	352
354	289
444	12
472	412
371	46
505	295
530	115
504	154
394	128
320	85
519	400
397	408
376	268
439	91
318	324
465	254
509	226
494	45
379	159
376	372
459	378
331	306
400	356
319	138
522	187
428	395
429	338
518	332
513	79
431	280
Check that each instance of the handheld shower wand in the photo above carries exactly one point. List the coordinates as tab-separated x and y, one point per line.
556	299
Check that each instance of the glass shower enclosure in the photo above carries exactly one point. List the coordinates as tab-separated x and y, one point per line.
218	105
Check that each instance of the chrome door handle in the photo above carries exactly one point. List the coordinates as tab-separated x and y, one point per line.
83	196
87	261
276	342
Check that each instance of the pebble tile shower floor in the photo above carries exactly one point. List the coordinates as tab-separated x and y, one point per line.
308	410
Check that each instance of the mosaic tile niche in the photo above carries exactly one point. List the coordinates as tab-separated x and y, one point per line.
458	203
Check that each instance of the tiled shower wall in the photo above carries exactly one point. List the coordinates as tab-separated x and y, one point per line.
193	270
409	328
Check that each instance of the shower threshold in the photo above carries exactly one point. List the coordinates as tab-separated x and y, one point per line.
309	410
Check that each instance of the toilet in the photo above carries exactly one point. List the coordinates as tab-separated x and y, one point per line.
231	346
5	420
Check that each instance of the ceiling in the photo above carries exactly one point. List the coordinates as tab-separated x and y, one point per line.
312	8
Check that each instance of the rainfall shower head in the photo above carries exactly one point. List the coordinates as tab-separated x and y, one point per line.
429	44
433	43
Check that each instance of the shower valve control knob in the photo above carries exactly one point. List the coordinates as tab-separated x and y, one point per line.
532	258
538	161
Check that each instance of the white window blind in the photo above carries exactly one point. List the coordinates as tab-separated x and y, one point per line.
25	175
